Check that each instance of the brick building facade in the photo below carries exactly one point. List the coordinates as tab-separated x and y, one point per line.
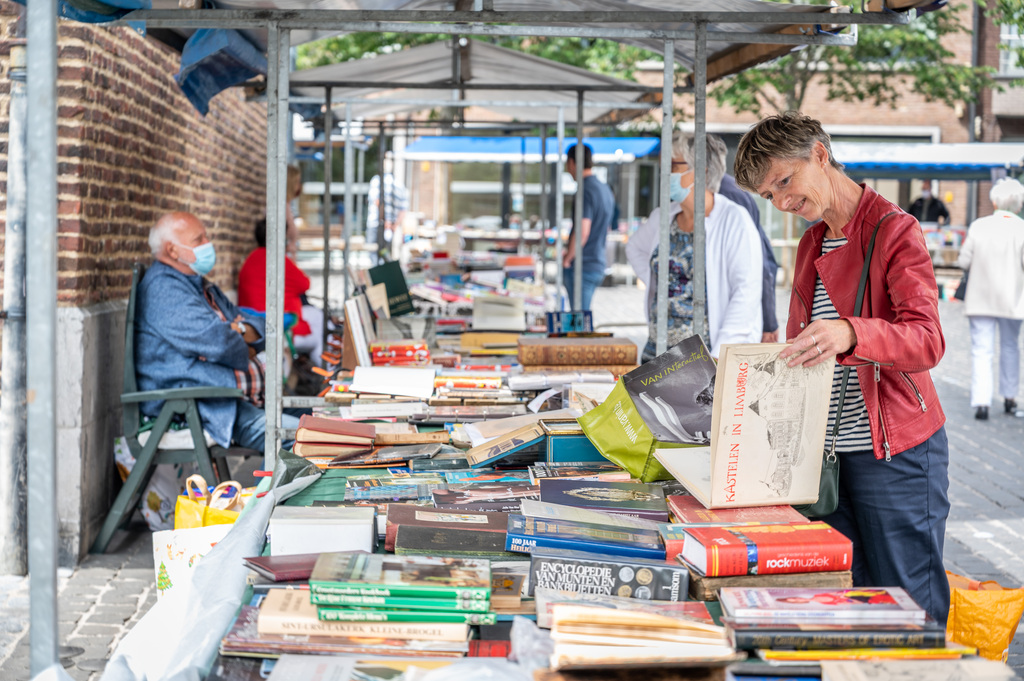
130	147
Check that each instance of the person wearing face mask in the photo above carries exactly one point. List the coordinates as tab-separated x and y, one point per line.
733	261
643	241
188	334
928	208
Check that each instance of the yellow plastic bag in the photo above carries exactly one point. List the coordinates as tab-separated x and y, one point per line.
983	615
199	508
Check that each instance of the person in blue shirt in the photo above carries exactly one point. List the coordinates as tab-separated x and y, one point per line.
188	334
598	208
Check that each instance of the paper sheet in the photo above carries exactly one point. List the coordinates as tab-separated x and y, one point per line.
415	382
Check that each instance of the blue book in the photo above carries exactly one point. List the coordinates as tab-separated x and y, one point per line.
635	499
525	533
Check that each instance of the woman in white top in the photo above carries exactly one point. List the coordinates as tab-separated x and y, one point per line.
733	262
994	253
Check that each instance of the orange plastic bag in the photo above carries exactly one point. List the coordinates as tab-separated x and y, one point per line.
983	615
199	508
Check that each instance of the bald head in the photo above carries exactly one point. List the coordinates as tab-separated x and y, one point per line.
174	237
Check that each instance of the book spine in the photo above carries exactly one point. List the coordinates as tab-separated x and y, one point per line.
836	640
424	631
614	369
444	604
581	354
332	614
439	592
524	543
449	539
609	577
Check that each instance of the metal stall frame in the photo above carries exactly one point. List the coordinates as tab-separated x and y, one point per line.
42	190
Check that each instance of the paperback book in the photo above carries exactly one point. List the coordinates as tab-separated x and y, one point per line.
472	496
888	605
525	534
546	599
578	471
378	575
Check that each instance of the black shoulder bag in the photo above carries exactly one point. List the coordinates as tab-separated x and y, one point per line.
828	486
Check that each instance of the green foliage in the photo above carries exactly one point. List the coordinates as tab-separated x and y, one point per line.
1008	13
887	63
600	56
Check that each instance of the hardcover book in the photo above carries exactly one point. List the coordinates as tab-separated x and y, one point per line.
505	444
805	636
390	274
283	568
718	551
335	452
688	511
329	613
673	392
767	432
576	351
703	588
524	534
477	476
360	574
540	509
569	570
888	605
406	515
417	540
472	495
288	612
973	668
579	470
401	602
327	430
559	373
625	498
546	599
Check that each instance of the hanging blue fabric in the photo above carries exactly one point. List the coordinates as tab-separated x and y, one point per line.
96	11
214	60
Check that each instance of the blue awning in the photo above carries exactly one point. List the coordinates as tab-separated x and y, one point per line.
525	149
906	161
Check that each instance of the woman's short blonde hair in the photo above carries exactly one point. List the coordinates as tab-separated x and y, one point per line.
790	135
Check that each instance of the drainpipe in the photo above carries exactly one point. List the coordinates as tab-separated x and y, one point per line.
972	113
13	409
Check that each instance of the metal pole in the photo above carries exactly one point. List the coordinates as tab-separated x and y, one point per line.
327	209
577	264
381	217
664	229
41	301
700	158
543	242
347	227
559	210
277	131
13	499
360	177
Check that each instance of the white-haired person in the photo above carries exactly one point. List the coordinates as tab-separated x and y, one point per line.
994	254
732	257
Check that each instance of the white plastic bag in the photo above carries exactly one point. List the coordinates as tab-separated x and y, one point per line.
158	499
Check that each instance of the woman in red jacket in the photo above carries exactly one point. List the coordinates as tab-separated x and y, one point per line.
891	441
307	333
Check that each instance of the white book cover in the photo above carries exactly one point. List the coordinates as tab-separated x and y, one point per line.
767	432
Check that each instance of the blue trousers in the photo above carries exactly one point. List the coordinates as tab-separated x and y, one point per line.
251	425
591	280
895	513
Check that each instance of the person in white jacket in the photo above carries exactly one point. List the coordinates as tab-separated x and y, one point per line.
733	261
994	254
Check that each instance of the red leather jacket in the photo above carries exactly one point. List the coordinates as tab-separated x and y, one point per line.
898	333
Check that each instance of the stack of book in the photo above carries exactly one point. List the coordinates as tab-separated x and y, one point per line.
616	355
399	353
323	440
795	624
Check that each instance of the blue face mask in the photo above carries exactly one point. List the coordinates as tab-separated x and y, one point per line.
206	258
676	191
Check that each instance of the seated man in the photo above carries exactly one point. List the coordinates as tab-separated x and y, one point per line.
187	334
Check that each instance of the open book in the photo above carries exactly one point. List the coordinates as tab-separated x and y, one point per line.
767	432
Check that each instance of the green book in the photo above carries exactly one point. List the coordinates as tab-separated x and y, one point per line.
333	614
391	275
443	604
366	575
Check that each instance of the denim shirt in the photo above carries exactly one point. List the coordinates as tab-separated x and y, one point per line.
181	342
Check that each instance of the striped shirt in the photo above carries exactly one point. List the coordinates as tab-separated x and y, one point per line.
854	429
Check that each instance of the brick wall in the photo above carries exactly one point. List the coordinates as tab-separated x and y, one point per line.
131	147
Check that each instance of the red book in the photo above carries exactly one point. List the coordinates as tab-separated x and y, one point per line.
687	510
478	648
717	551
333	431
425	516
283	568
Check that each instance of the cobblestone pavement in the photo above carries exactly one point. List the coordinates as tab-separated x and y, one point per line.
103	597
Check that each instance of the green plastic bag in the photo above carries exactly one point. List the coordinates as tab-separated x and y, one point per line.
617	431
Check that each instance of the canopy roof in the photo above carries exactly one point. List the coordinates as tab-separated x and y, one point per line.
929	161
479	63
524	149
